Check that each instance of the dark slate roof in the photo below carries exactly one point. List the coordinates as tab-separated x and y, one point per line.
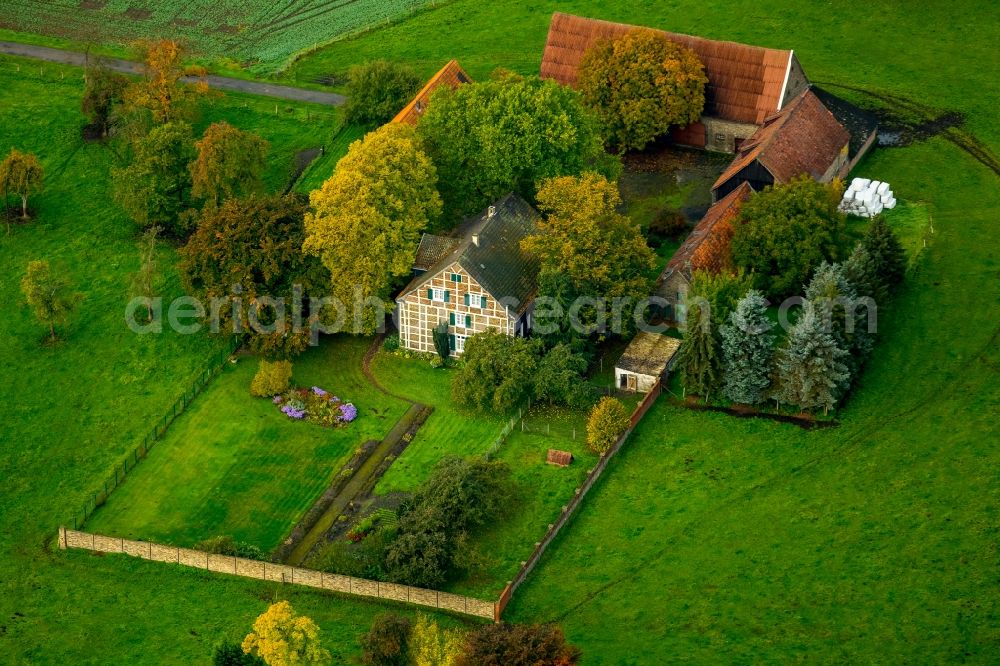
497	261
431	249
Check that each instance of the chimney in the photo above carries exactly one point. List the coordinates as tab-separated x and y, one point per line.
490	212
475	239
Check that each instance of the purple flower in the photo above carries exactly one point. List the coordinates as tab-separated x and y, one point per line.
318	391
291	412
348	412
277	399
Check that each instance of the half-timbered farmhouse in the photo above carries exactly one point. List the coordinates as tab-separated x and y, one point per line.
451	75
477	280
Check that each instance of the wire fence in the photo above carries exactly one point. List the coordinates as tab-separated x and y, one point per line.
122	470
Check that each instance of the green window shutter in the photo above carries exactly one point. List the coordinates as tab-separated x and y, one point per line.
451	318
468	321
482	302
466	298
447	296
430	294
451	342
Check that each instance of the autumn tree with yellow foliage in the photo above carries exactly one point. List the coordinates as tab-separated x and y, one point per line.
642	84
583	237
230	164
282	638
368	217
432	646
161	90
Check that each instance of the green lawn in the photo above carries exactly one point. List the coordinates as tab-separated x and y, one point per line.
73	411
234	465
448	431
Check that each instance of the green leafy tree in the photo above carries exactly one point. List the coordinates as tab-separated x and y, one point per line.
387	643
103	93
559	377
487	139
282	638
367	218
583	236
378	90
229	164
642	84
786	231
608	420
432	646
518	645
810	368
256	244
22	175
887	252
700	360
720	291
48	295
231	654
155	189
747	348
496	374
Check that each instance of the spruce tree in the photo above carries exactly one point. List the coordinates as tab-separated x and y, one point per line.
700	360
810	368
887	253
747	346
835	301
861	271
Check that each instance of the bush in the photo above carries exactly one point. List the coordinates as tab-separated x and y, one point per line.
231	654
387	643
378	90
391	343
272	378
518	645
666	225
608	421
226	545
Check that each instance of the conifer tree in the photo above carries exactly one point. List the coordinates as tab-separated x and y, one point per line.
886	251
861	271
747	347
810	368
835	301
700	360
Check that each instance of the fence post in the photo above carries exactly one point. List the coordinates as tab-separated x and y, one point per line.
62	538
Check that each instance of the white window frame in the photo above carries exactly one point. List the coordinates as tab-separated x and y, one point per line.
437	294
476	300
460	343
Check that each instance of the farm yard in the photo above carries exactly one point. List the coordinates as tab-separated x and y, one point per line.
709	538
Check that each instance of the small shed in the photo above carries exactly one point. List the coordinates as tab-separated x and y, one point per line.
648	358
559	458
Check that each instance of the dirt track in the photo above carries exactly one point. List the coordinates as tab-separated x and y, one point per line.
217	82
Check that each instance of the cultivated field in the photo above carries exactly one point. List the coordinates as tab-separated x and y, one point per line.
259	35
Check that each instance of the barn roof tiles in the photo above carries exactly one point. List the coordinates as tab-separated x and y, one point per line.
803	138
745	83
451	75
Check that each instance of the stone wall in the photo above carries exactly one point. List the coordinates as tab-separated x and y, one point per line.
419	314
721	135
237	566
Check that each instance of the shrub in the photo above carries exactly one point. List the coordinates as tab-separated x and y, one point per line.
272	378
231	654
387	643
391	343
518	645
608	421
226	545
667	224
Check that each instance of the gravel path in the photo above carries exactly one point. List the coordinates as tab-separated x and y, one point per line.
217	82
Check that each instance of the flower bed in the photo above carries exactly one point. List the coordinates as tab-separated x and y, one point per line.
316	406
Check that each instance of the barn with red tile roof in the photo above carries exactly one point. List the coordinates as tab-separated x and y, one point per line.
746	84
803	139
675	281
451	75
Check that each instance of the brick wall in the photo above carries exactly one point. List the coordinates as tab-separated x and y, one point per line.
237	566
419	314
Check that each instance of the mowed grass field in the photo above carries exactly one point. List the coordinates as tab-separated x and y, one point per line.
873	542
234	465
73	411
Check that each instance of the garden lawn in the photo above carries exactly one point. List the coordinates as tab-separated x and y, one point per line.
234	465
541	492
448	431
73	411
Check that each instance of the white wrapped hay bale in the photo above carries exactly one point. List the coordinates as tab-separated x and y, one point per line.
890	204
882	188
874	185
859	184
